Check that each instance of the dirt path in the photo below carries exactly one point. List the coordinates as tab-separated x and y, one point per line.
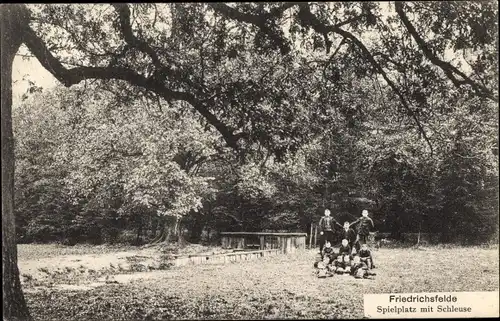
35	267
67	268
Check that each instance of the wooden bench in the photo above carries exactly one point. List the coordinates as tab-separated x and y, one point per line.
285	242
195	259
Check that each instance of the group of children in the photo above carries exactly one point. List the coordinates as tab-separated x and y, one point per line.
353	256
345	261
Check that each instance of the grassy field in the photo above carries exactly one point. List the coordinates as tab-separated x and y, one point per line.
267	288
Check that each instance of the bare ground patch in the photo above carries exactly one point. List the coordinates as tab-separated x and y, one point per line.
85	267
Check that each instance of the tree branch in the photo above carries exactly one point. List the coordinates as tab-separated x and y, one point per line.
473	69
278	11
126	29
348	21
447	68
309	19
261	21
342	42
73	76
389	59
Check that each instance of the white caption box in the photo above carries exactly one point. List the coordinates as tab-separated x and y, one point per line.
431	305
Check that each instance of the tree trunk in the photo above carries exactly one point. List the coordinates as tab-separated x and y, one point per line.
310	237
209	231
169	229
396	225
12	20
162	224
197	228
139	233
154	226
315	237
181	241
419	232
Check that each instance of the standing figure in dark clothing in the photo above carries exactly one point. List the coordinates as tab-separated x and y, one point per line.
363	230
348	234
327	229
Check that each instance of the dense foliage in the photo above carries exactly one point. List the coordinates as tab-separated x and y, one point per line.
256	116
91	167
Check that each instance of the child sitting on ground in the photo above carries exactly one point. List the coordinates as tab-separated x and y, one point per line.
343	262
345	249
365	256
359	269
328	251
324	268
327	255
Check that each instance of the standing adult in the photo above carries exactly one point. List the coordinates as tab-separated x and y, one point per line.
327	229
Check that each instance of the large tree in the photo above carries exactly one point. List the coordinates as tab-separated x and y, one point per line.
244	68
12	19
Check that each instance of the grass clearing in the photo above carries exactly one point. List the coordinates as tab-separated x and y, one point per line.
269	288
